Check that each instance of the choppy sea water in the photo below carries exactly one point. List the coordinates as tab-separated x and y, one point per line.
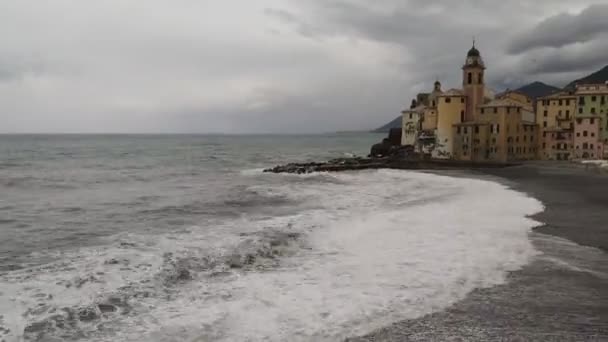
183	238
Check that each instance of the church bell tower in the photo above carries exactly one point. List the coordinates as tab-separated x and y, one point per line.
473	82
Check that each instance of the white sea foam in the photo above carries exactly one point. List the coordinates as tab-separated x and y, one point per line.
376	247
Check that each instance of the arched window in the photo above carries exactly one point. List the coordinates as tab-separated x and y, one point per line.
470	78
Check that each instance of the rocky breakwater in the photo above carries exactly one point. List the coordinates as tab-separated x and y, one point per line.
340	164
391	162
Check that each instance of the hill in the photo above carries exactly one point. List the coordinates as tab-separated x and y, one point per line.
396	123
537	89
599	76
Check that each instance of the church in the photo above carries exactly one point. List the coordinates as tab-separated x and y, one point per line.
471	123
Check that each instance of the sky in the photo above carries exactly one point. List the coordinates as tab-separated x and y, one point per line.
271	66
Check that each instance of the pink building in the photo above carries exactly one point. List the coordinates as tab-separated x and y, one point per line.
557	144
587	142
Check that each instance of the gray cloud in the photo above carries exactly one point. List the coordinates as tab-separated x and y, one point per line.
241	66
564	29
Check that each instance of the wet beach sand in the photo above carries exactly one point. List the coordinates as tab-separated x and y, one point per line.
562	295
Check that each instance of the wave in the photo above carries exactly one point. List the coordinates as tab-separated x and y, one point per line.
362	250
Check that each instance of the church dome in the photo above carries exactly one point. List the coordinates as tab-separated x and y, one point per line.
473	52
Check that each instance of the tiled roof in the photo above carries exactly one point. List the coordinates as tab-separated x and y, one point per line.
452	92
561	94
419	109
502	103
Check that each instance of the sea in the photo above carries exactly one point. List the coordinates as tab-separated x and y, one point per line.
184	238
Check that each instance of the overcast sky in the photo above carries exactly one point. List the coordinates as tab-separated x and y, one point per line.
291	66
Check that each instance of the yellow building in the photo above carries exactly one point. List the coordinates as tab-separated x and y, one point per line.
429	120
518	97
473	125
555	116
451	110
504	131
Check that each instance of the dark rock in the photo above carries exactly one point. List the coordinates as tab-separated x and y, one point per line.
112	262
183	275
87	314
105	308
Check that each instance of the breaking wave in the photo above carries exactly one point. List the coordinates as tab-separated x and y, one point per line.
341	255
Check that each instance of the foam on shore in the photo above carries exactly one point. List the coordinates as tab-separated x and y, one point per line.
360	250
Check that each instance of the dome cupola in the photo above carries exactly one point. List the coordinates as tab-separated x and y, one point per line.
474	58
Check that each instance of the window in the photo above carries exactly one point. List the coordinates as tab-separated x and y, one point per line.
585	146
497	128
462	117
495	110
593	110
559	113
585	133
448	100
544	123
592	121
462	100
561	103
481	110
470	78
476	129
581	100
466	131
545	113
458	130
593	98
580	110
410	115
592	134
544	134
579	121
578	134
567	102
519	109
480	78
603	100
433	103
508	110
567	114
544	145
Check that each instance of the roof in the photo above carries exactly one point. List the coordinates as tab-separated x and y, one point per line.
473	52
452	92
503	103
507	92
561	94
599	88
418	109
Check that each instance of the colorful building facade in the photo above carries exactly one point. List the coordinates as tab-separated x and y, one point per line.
473	124
555	116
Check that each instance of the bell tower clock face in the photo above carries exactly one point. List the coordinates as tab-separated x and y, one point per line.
470	60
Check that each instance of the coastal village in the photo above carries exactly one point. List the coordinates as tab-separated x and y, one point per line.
474	124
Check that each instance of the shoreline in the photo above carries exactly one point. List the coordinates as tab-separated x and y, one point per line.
562	295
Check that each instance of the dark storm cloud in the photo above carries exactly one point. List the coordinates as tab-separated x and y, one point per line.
564	29
592	55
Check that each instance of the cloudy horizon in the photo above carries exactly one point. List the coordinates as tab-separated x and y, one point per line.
271	66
